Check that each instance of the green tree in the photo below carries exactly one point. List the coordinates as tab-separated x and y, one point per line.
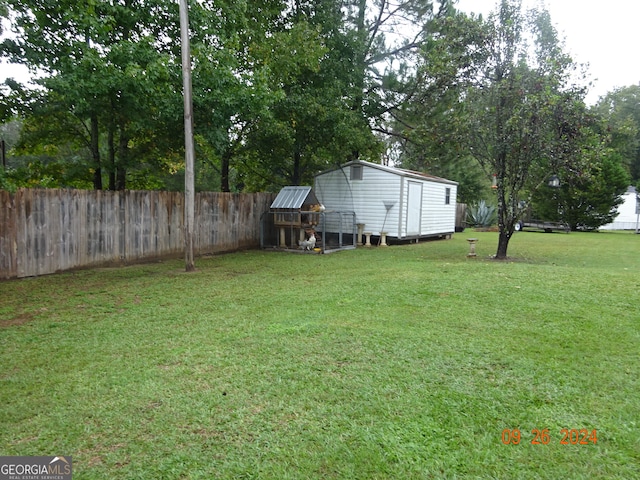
230	81
50	152
312	123
515	109
384	40
621	110
114	69
590	168
586	201
429	132
328	110
102	64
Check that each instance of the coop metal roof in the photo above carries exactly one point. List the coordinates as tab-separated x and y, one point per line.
294	197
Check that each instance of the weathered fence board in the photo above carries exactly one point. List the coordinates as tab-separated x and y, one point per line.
8	237
45	231
461	216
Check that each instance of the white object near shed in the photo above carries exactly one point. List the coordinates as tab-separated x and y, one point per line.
407	205
628	212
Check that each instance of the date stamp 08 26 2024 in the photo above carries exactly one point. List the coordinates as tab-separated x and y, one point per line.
568	436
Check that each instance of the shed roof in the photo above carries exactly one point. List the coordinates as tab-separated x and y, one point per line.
395	171
294	197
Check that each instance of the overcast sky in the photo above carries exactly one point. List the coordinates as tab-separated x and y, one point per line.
605	35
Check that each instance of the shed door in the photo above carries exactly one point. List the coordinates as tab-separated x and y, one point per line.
414	208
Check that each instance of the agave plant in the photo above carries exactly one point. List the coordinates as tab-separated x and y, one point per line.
481	215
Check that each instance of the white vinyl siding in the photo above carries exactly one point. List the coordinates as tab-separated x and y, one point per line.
442	217
383	187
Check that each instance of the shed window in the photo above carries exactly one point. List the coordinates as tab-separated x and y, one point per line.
356	172
447	196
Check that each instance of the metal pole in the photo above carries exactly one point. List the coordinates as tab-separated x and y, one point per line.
189	152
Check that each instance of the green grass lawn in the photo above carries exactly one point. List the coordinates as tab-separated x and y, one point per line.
402	362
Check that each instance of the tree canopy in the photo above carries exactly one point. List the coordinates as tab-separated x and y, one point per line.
286	88
620	110
501	93
281	88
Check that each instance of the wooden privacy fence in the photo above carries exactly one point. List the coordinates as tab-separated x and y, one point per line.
45	231
461	216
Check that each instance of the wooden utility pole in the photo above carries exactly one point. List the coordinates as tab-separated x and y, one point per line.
189	152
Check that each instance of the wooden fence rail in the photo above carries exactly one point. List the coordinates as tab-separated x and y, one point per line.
45	231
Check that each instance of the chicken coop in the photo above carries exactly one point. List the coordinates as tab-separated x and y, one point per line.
296	221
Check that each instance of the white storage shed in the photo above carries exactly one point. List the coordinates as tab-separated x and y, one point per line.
407	205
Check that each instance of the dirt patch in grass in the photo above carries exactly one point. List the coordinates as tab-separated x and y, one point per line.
20	319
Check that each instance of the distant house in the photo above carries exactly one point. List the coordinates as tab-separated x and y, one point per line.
407	205
627	218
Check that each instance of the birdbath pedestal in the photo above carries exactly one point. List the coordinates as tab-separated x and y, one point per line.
383	239
360	232
367	236
472	247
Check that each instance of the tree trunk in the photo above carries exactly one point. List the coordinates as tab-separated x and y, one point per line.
97	179
123	151
360	67
112	159
121	178
95	137
503	244
95	153
505	222
224	171
297	168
